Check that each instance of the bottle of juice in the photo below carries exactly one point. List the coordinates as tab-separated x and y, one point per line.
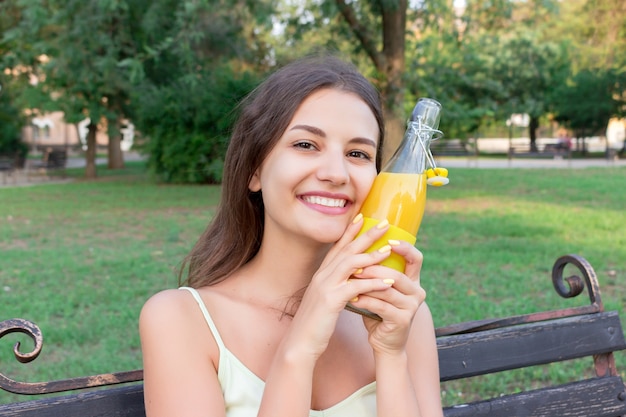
399	191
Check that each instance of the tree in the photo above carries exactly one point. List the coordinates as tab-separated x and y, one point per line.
372	32
11	118
74	47
528	68
386	52
10	121
589	100
195	68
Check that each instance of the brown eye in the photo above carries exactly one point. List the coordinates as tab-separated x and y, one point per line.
360	155
304	145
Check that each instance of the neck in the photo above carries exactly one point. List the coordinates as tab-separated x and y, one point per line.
289	266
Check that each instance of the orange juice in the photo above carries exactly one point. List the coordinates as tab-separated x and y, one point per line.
400	198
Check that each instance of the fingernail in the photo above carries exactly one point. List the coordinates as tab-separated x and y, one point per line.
385	249
389	281
358	218
382	224
358	271
355	299
393	242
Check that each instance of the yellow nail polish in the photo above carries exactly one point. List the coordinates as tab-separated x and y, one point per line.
382	224
393	242
355	299
389	281
385	249
358	271
358	218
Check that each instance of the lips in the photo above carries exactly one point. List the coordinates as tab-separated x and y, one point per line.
324	201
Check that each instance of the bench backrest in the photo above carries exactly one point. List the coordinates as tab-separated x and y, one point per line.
57	158
460	356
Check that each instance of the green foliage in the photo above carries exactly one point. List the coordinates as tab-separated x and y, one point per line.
589	100
458	77
198	60
10	123
188	123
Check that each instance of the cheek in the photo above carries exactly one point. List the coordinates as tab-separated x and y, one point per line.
364	183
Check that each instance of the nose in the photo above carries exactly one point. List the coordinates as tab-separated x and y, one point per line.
333	168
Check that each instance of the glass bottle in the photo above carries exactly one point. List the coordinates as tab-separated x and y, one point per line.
399	191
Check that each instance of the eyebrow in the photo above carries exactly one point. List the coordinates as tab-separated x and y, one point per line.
319	132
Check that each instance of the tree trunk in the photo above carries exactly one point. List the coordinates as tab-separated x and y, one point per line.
389	63
90	155
115	156
394	28
532	132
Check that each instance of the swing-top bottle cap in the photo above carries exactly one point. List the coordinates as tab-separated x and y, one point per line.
428	111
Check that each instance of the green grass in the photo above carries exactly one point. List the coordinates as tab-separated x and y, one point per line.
80	259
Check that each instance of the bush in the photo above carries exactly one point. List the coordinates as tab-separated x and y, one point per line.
10	127
187	124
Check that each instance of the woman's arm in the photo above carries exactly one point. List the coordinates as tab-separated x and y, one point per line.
180	378
404	344
408	382
288	388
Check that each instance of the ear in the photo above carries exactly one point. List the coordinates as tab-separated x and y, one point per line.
255	183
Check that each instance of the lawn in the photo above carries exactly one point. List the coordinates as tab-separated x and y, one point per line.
79	259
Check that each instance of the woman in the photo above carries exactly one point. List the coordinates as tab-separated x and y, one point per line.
260	328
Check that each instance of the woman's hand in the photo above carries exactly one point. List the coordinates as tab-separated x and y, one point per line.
333	285
396	305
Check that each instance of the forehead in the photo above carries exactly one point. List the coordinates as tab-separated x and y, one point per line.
339	110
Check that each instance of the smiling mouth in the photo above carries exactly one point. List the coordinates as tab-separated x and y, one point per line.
324	201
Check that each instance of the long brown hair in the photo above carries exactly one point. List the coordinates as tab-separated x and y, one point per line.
234	235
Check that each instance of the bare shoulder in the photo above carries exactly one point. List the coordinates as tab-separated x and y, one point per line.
165	303
173	311
179	357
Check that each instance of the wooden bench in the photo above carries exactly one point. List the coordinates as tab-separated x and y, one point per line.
9	164
551	151
53	159
7	167
453	147
465	350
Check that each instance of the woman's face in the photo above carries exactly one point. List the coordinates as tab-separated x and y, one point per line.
318	174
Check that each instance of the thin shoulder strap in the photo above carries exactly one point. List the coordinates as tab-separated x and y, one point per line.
206	315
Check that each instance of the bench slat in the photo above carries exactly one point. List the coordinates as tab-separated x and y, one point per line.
466	355
598	397
111	402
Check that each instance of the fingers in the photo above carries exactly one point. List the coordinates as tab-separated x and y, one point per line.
412	256
405	294
350	245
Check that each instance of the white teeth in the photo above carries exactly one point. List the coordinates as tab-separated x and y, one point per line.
323	201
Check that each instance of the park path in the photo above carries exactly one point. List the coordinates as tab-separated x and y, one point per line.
469	162
21	179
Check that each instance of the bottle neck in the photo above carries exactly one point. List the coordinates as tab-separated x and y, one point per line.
413	154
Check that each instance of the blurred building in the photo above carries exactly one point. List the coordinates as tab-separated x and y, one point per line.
51	130
616	134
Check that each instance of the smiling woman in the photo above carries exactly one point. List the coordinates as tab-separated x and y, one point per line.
330	163
261	317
